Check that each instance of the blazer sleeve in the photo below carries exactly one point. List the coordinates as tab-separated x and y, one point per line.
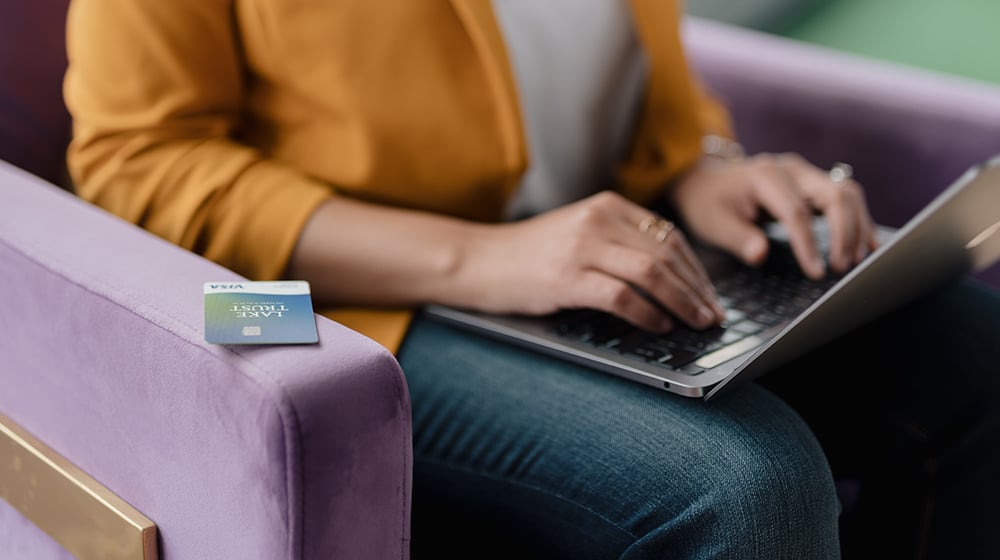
156	89
677	110
714	116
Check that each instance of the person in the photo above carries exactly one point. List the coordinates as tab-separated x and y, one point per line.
504	156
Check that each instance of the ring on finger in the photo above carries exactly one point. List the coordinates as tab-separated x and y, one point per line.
841	172
666	227
663	227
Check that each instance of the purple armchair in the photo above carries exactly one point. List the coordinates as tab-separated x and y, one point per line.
294	452
233	452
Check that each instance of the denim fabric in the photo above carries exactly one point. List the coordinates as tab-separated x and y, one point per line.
519	455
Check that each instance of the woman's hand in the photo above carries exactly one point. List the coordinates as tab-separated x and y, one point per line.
603	252
722	203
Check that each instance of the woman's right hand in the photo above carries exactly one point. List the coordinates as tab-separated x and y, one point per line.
603	252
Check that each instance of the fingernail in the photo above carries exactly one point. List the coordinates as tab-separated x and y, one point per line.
705	317
819	266
753	248
720	312
666	324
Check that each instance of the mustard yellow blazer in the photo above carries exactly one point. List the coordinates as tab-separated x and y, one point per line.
220	125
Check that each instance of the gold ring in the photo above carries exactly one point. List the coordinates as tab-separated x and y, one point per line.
841	172
663	227
647	223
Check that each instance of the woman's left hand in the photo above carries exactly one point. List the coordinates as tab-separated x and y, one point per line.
723	201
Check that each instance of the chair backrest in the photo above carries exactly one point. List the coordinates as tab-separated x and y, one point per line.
34	124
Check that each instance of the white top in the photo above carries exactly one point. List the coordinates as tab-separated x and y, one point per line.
580	73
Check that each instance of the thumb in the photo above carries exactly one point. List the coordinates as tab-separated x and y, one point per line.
753	248
744	240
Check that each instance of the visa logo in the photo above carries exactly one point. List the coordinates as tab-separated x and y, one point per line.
226	286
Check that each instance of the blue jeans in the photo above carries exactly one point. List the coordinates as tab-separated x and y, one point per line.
526	456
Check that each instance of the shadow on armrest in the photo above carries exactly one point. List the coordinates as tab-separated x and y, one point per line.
233	452
907	132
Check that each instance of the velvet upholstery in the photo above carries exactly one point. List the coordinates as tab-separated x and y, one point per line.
233	451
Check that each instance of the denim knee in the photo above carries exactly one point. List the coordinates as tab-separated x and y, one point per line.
763	490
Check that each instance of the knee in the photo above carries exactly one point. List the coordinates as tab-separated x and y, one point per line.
781	498
764	490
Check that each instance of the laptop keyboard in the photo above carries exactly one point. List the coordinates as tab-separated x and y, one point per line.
756	301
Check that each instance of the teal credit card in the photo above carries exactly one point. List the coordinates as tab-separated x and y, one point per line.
259	313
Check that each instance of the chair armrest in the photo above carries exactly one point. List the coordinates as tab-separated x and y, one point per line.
233	452
908	133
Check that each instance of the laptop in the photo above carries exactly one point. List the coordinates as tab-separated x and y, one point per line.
774	314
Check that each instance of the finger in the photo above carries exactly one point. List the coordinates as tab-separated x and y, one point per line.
597	290
670	244
777	193
740	236
645	230
836	203
842	201
869	234
665	243
678	285
690	269
666	282
643	235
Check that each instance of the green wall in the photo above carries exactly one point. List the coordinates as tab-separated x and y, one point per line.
954	36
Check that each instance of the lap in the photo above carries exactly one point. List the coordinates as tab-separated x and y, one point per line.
547	448
541	456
